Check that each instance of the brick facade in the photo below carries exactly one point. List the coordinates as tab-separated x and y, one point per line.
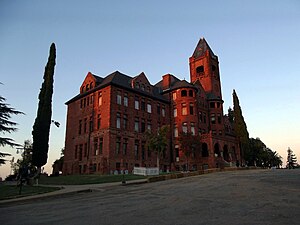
107	121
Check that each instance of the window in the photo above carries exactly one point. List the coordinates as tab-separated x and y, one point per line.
136	149
125	122
193	129
220	132
96	150
183	93
213	67
85	149
143	126
200	117
119	98
192	108
76	151
118	120
136	125
174	95
143	150
91	124
98	121
118	145
149	126
149	152
80	152
163	111
149	108
175	112
99	98
158	109
175	131
125	146
85	125
143	105
137	85
213	118
191	93
183	109
125	99
143	87
136	104
184	127
218	104
101	146
204	117
80	127
219	118
212	105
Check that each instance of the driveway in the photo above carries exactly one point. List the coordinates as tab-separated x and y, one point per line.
241	197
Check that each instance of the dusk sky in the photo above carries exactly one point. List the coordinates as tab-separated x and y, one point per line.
257	43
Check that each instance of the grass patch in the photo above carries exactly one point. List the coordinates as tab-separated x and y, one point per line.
87	179
12	191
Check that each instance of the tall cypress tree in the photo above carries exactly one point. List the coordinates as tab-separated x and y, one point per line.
41	127
240	126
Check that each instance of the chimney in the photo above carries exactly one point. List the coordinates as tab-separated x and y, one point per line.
167	81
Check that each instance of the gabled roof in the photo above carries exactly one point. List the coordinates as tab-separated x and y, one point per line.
121	80
201	48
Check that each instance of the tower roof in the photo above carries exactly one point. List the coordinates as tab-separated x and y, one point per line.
201	48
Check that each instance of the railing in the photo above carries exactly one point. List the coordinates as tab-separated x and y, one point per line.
146	171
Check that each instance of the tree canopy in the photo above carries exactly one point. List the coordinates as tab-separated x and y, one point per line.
41	127
7	126
158	141
240	126
291	159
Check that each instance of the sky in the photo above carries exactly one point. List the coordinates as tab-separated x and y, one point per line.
257	43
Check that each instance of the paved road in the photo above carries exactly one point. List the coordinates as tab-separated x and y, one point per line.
242	197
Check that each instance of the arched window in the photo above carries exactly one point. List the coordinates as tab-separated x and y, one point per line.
191	93
183	93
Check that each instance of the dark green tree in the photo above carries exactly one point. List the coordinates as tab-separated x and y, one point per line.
7	126
158	141
291	159
189	143
230	115
57	165
41	127
240	126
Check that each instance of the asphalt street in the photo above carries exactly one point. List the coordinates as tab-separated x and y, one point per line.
241	197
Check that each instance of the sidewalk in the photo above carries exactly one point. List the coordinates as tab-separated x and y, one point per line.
71	189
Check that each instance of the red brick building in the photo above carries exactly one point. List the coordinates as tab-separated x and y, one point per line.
107	120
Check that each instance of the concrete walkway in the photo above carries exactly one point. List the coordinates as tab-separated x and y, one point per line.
71	189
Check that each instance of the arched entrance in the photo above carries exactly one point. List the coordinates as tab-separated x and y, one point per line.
217	150
226	153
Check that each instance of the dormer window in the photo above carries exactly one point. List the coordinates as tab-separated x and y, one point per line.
87	87
137	85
